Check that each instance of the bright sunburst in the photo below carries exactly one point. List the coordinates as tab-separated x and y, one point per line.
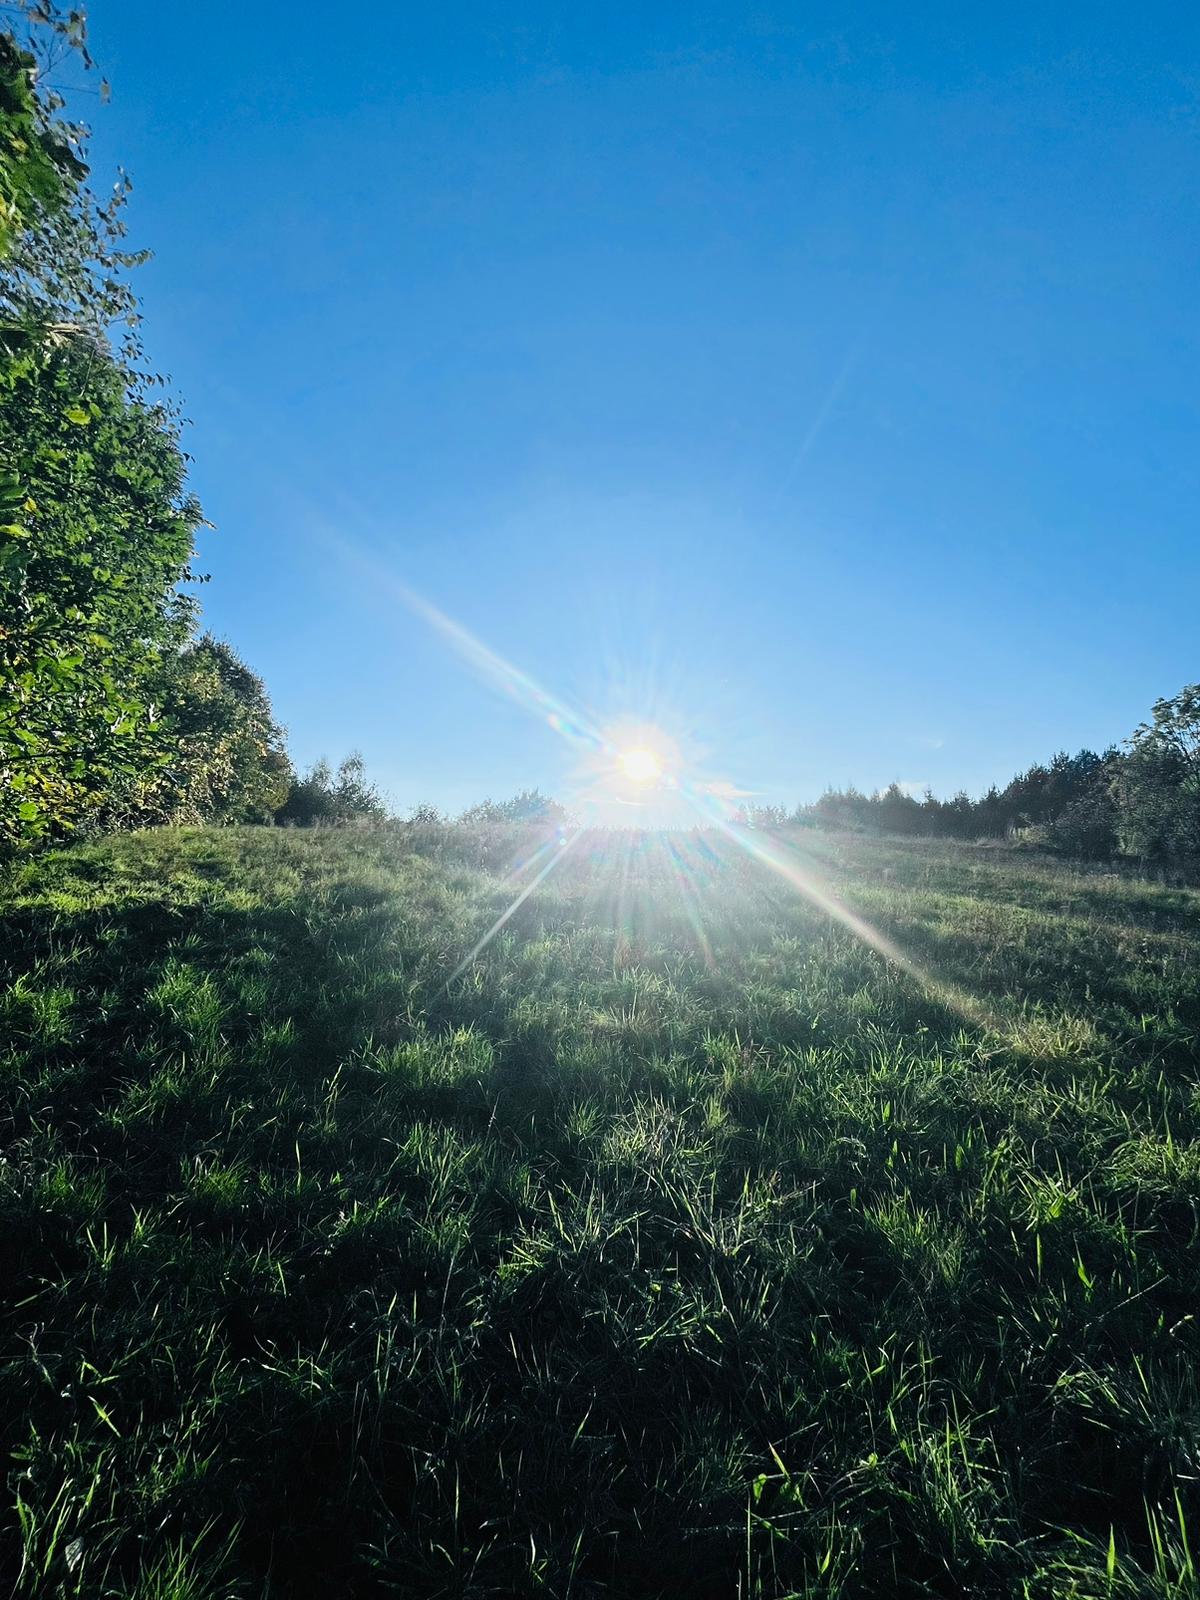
640	765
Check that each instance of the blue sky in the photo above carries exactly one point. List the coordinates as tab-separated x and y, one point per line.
819	383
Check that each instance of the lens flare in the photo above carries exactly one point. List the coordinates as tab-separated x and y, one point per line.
633	758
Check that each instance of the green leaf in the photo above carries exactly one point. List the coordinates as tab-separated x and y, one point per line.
78	416
27	810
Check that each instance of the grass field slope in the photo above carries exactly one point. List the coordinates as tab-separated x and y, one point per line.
747	1217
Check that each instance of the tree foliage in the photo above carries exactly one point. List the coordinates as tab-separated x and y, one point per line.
323	797
64	261
529	805
1157	787
96	535
226	758
96	525
37	160
108	713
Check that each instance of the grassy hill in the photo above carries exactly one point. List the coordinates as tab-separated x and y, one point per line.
683	1244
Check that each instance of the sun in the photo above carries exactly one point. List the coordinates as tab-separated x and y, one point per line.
640	765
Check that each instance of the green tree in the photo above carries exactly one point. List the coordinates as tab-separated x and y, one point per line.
322	798
96	527
95	535
1156	788
529	805
37	161
225	759
64	260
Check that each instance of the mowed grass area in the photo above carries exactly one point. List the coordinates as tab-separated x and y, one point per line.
683	1245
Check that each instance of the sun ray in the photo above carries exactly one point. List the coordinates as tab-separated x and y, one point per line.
576	726
521	866
781	859
689	899
481	945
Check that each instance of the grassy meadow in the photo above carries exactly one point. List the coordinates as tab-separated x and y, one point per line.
682	1244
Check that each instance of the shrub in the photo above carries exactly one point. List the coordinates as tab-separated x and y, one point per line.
320	797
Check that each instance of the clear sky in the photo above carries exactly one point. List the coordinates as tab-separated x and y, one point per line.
818	382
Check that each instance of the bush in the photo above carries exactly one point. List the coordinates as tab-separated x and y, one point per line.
320	798
1086	827
530	805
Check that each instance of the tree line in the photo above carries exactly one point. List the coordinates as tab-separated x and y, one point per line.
1141	800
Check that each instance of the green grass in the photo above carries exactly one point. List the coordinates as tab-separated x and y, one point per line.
682	1245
